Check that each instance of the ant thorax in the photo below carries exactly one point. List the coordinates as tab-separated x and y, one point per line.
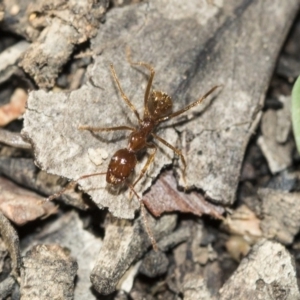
138	139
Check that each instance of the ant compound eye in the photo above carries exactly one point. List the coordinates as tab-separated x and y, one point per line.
159	104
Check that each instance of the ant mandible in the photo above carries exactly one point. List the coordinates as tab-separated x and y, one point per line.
157	109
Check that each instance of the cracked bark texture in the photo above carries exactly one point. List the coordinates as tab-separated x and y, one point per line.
268	272
69	232
11	239
193	47
48	272
124	244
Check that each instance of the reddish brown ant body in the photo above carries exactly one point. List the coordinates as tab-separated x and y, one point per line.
157	109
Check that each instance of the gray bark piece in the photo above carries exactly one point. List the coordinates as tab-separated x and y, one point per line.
288	66
42	61
268	273
69	232
284	120
127	281
193	47
9	58
3	256
66	23
280	159
11	239
182	234
154	264
195	287
48	272
124	244
13	139
285	181
6	287
281	215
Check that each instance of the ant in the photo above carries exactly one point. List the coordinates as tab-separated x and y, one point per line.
157	109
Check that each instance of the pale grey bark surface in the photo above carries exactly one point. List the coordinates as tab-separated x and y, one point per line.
267	273
69	232
48	272
11	240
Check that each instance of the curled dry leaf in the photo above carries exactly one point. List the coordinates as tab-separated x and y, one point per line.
243	222
15	108
165	197
237	247
244	226
20	205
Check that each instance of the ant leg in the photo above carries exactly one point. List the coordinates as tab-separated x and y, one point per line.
125	98
150	80
148	230
177	151
95	129
148	163
146	166
69	185
179	112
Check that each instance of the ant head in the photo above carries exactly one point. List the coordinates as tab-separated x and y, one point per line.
159	104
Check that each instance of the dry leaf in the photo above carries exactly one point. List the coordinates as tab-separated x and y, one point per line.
165	197
243	222
20	205
15	108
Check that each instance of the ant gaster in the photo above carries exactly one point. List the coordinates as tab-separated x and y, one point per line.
157	109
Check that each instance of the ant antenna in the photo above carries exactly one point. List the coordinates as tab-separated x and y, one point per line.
71	184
